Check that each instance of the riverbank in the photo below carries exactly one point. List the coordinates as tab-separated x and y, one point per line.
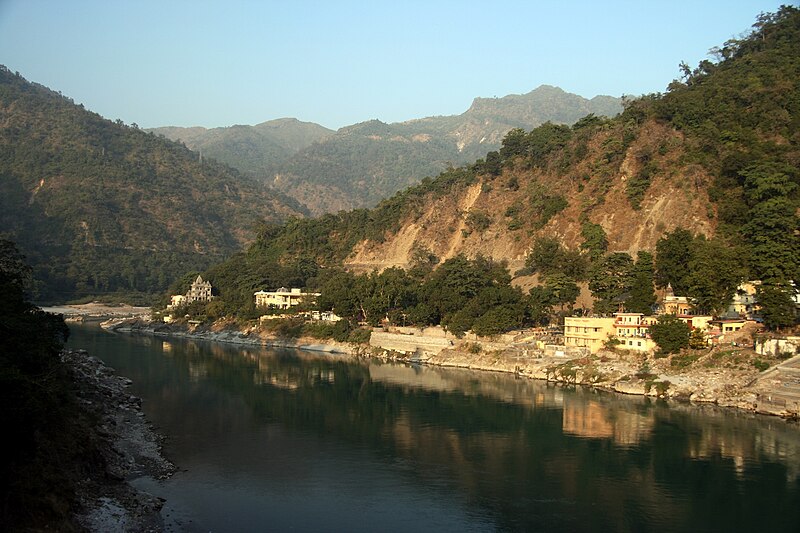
223	332
128	446
97	311
724	376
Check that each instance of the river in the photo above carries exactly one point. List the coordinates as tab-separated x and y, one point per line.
277	440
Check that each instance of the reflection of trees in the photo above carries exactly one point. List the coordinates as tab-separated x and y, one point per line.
536	456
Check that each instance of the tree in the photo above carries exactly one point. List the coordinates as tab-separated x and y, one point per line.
548	257
642	298
670	333
539	305
595	241
715	270
697	339
772	233
563	289
609	280
777	304
673	253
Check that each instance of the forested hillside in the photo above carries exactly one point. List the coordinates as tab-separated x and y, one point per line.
364	163
256	151
697	187
100	207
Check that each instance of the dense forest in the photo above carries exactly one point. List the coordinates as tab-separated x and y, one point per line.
732	137
100	207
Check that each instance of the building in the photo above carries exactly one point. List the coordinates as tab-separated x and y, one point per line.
701	322
743	303
675	305
200	291
282	298
728	325
632	330
587	332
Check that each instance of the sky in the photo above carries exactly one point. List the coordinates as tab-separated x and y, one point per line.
336	63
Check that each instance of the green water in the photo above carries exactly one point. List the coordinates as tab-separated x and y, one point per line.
276	440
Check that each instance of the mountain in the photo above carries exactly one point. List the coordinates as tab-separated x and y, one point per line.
709	169
100	207
361	164
367	162
254	150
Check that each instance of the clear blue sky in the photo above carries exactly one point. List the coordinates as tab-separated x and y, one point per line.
188	63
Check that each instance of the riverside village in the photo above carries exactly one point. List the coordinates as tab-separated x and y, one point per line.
728	360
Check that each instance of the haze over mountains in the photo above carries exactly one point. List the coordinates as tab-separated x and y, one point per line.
361	164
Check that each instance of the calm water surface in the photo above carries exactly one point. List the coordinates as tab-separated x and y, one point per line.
276	440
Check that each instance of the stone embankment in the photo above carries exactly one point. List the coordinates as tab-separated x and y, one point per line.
727	378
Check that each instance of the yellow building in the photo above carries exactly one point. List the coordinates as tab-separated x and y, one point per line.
632	330
675	305
587	332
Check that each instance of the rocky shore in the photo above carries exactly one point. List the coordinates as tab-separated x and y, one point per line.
129	448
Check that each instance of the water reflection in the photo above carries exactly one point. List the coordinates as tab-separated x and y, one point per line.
486	451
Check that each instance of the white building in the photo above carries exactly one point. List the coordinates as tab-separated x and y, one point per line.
282	298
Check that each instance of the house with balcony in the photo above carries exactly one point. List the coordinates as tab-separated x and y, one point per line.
632	331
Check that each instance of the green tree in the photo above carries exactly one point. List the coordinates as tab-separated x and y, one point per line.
777	304
715	270
697	339
673	253
610	280
595	241
562	288
670	334
642	297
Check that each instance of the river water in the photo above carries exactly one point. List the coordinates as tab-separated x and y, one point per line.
278	440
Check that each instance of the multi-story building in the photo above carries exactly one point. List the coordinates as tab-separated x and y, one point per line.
282	298
587	332
200	291
632	331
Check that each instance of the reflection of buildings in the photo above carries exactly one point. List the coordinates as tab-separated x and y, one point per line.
586	420
498	387
593	419
290	377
